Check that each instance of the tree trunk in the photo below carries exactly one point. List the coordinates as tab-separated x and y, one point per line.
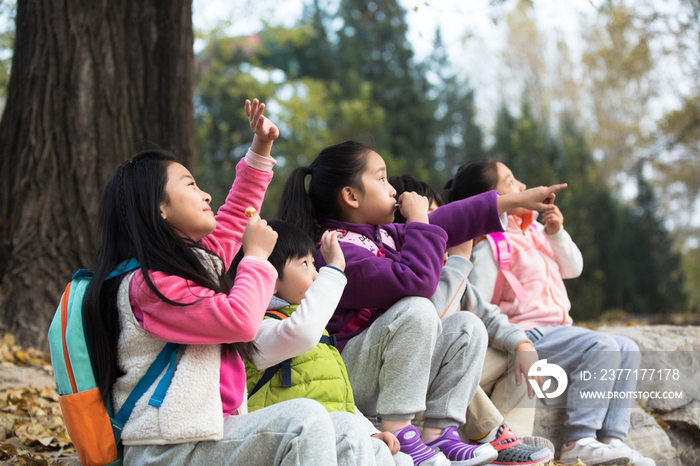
92	82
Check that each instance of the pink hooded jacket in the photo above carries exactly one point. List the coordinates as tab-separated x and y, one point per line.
540	262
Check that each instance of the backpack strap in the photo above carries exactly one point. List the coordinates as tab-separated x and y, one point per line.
503	257
164	359
352	237
286	365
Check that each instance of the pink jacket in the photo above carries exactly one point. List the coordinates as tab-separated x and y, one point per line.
539	266
216	318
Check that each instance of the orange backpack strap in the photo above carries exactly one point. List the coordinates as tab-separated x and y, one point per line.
503	257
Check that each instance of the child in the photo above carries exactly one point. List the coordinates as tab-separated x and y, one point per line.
292	342
484	421
399	362
153	211
541	256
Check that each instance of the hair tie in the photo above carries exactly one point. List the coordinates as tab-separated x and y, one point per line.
310	170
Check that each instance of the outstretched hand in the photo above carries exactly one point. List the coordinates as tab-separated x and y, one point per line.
540	198
264	129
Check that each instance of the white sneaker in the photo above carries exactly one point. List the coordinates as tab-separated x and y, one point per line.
594	453
636	458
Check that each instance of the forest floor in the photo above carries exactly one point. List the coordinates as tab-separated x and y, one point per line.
32	432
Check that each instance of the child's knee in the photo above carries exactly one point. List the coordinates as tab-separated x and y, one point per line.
605	342
419	312
626	344
631	357
468	324
315	415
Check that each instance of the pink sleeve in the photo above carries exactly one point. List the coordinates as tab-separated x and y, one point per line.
248	190
212	318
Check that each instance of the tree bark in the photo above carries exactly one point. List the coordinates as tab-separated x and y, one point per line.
92	82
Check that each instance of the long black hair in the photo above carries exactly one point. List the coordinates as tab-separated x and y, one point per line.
404	183
334	168
472	178
131	226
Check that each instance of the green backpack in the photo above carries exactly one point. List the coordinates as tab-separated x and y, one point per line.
92	425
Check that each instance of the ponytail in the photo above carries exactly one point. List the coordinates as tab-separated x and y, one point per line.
447	192
334	168
295	205
472	178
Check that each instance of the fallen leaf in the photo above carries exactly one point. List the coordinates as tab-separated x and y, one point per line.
46	441
8	339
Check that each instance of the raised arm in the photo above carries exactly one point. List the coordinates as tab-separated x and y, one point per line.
253	175
469	218
209	317
378	282
278	340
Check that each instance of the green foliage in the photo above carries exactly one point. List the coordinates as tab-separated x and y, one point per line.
361	85
691	266
628	259
361	82
311	113
459	137
372	47
222	132
8	10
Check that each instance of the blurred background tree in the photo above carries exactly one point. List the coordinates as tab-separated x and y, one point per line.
91	83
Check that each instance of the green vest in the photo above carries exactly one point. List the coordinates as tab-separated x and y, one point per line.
319	374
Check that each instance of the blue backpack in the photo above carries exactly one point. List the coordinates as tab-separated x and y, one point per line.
91	424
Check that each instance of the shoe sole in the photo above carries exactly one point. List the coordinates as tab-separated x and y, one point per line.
539	442
537	461
614	462
480	460
540	461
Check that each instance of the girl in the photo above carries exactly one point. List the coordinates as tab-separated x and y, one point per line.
486	421
386	327
541	256
153	211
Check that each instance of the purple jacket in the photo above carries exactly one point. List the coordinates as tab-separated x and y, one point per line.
414	268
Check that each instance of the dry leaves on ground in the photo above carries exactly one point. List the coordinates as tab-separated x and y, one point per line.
32	431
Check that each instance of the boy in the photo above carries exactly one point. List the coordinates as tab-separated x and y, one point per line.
295	357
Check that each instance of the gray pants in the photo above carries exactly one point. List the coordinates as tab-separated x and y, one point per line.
404	358
574	349
297	432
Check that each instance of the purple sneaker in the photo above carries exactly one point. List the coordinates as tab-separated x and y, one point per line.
462	454
413	446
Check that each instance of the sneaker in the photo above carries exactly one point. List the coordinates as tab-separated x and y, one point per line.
636	458
539	442
512	450
420	453
462	454
594	453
